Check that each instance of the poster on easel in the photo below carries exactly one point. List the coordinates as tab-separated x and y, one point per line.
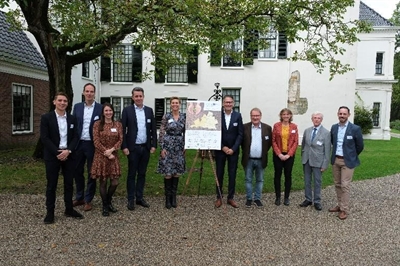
203	125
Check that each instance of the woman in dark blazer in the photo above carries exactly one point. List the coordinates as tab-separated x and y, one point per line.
285	139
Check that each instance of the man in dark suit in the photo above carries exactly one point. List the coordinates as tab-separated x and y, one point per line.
86	113
232	135
140	139
257	140
347	141
59	137
315	152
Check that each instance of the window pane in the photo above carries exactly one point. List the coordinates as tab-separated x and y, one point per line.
271	40
376	114
122	63
379	63
22	109
178	73
236	96
85	69
232	50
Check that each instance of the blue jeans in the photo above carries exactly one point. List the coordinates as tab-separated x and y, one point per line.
254	166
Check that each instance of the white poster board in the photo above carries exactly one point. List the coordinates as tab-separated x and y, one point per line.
203	125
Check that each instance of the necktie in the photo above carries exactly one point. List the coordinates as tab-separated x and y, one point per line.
313	134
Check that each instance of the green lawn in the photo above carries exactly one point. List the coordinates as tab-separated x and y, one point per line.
19	173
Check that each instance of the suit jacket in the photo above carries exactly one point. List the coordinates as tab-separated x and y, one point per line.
233	136
50	135
78	112
293	141
316	152
266	142
130	128
353	144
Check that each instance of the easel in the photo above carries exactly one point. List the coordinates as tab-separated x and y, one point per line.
203	154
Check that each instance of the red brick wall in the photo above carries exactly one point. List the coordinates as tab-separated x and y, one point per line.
40	106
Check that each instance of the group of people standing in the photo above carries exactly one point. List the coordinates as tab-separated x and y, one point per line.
91	136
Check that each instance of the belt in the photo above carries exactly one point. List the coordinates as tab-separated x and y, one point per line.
176	134
84	140
255	158
340	157
141	145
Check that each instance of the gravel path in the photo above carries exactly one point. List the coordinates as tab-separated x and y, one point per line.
197	234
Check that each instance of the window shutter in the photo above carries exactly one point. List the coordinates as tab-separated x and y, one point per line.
159	111
215	56
137	63
192	66
250	47
159	75
105	74
282	45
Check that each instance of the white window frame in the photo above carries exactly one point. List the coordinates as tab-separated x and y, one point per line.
265	54
381	64
376	119
235	43
235	92
118	107
30	119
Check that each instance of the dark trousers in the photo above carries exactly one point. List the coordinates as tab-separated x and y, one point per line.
84	154
287	167
52	172
220	160
138	159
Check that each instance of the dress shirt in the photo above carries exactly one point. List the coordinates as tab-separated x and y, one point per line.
256	142
340	139
227	119
316	131
141	124
63	129
87	117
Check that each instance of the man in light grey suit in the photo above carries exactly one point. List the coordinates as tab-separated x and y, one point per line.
315	153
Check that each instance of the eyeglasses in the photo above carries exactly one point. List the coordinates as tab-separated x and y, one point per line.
228	102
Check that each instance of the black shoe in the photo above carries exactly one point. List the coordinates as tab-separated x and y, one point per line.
318	206
258	203
111	208
130	205
143	203
74	214
105	211
286	202
278	201
305	203
248	203
49	219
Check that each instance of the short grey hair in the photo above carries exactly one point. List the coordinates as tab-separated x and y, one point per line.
317	113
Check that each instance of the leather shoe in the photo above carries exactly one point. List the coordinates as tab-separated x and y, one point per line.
233	203
286	202
74	214
342	215
334	209
305	203
49	219
77	203
218	203
143	203
278	201
87	207
318	206
130	205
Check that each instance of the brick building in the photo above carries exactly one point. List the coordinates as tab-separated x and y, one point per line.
24	87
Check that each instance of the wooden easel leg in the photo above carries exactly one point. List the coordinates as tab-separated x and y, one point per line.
190	172
215	174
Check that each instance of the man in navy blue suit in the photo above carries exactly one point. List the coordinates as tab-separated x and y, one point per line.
140	139
86	113
347	141
232	135
59	137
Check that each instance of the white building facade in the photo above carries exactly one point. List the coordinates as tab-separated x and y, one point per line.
270	83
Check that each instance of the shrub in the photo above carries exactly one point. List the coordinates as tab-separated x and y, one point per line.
395	124
363	118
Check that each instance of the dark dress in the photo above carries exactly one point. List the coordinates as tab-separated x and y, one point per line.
111	136
172	139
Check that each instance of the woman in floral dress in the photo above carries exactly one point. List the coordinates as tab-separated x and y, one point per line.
172	157
107	138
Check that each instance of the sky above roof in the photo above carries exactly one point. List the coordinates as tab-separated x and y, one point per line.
384	7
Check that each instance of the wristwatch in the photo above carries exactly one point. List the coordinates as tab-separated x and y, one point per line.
69	151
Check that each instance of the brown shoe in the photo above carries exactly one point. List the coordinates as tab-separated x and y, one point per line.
233	203
218	203
87	207
77	203
342	215
335	209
